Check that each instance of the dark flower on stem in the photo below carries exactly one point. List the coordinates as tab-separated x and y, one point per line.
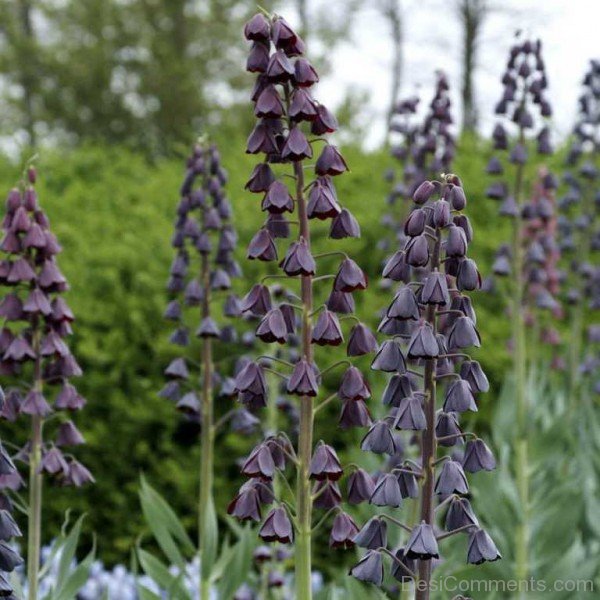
325	464
373	534
478	457
360	486
482	548
277	527
370	568
422	543
343	531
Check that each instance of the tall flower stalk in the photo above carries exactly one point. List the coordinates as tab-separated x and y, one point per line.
204	240
37	320
524	87
579	222
287	113
434	321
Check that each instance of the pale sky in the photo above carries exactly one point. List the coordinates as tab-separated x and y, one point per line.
569	29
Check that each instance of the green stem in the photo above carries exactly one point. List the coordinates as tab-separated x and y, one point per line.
428	438
303	553
34	536
206	500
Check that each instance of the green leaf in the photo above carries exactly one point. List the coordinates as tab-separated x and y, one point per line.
155	569
68	548
145	594
75	580
165	526
238	564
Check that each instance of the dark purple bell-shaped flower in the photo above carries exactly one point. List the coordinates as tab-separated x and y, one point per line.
330	162
353	386
423	192
251	379
361	341
398	387
478	457
482	548
257	28
369	569
379	439
471	371
468	277
340	302
272	327
257	301
463	334
303	381
327	330
343	531
435	289
354	413
402	566
278	200
261	179
389	358
350	277
409	415
277	527
405	306
260	463
415	224
423	343
386	492
69	435
325	464
452	479
422	543
459	398
417	251
396	268
304	73
246	504
372	535
299	260
447	426
460	514
360	486
296	147
407	480
344	225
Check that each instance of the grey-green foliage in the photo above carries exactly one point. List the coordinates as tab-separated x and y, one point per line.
229	565
564	513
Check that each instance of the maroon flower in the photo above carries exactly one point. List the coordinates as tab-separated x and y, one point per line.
277	527
303	381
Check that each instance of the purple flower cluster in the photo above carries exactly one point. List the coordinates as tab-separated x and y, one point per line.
524	105
9	557
424	149
578	223
204	265
290	124
431	323
33	341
